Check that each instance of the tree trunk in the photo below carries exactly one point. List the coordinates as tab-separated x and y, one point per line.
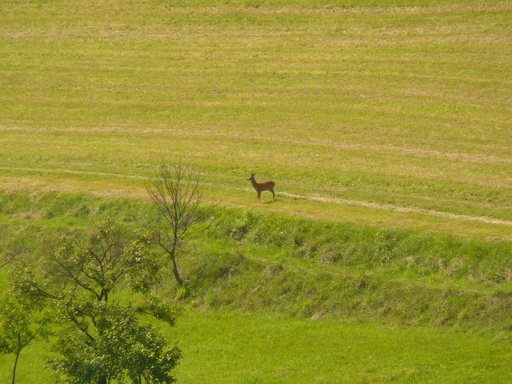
177	276
15	366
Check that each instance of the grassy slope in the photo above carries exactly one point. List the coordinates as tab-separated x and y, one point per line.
276	299
363	108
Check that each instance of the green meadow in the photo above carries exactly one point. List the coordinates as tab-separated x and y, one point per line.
387	127
236	348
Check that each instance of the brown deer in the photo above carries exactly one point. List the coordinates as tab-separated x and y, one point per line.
260	187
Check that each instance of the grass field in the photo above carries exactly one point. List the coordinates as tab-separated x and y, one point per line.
269	350
236	348
390	115
391	119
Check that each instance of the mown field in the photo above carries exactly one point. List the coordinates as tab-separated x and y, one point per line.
391	115
385	125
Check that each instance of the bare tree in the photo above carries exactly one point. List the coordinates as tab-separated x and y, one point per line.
176	195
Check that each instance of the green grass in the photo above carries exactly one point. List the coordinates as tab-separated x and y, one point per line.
282	265
386	126
236	348
365	108
227	347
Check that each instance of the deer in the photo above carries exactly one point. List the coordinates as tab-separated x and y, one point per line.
260	187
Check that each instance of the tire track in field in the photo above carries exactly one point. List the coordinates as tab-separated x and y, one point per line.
322	199
397	208
73	172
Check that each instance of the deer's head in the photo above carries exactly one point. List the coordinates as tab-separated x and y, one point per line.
252	176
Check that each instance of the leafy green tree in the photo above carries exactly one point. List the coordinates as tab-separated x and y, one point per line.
14	249
21	321
120	347
104	339
7	258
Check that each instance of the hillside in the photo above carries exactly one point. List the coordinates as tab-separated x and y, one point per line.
386	126
359	303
